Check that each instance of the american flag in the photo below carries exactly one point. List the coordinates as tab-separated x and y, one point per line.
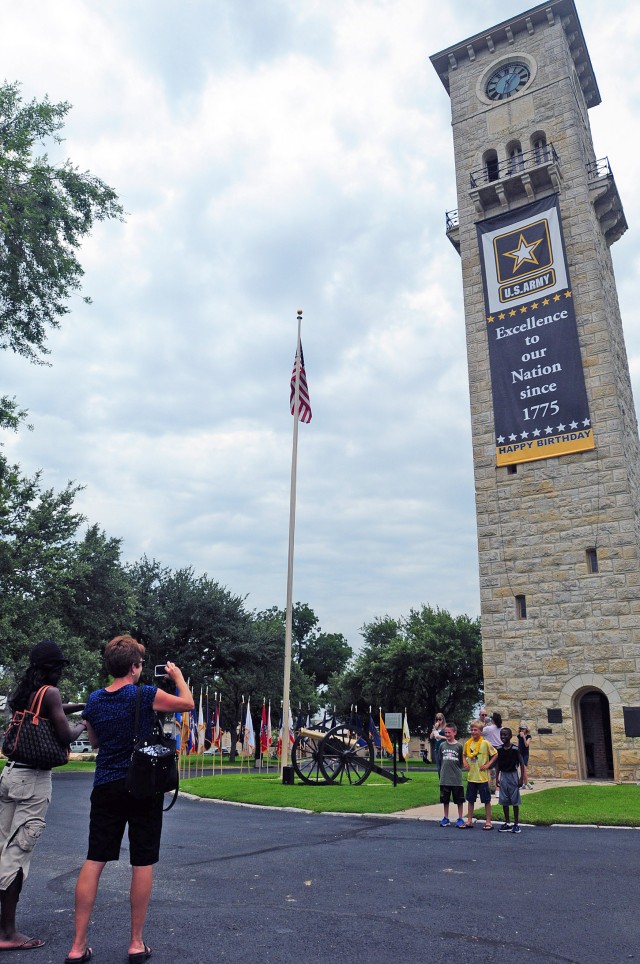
304	405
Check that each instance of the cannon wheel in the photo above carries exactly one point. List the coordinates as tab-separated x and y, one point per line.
305	758
346	756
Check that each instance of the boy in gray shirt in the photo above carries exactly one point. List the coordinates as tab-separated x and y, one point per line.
451	764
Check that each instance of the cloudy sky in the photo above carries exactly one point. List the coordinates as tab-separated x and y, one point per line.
274	155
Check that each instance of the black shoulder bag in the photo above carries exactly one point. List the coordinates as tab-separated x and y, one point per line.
153	769
30	738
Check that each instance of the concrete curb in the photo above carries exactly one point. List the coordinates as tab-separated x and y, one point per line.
398	815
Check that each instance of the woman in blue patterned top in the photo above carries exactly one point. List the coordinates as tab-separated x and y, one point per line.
110	715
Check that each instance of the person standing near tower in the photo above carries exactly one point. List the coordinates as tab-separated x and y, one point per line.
111	715
25	793
491	733
478	756
508	780
451	764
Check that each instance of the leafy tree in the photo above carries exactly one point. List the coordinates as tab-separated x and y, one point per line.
260	678
50	581
219	646
45	210
38	554
324	655
98	599
10	415
425	662
207	631
319	655
190	619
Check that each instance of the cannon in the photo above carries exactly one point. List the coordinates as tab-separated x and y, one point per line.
342	754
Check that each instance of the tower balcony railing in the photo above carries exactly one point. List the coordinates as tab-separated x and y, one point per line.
514	166
516	180
606	200
452	219
599	168
452	222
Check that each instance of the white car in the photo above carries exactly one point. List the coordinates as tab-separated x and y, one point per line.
81	746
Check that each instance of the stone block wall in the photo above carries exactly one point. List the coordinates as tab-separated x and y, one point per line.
582	629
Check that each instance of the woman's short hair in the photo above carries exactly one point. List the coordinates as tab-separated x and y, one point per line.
497	719
121	653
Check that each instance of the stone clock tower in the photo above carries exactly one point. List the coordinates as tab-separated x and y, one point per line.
555	438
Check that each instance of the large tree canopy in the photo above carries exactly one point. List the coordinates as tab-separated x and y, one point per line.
319	655
45	210
425	662
55	582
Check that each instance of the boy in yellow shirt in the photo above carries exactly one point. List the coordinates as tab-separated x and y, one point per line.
479	756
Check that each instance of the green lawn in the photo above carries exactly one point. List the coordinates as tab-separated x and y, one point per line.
611	805
608	805
615	805
377	795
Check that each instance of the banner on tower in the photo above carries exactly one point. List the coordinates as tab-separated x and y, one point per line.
540	404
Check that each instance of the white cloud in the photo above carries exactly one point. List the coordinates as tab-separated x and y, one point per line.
272	156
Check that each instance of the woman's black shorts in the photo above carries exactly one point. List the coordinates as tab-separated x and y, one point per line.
112	808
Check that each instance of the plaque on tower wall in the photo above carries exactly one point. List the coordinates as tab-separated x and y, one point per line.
539	398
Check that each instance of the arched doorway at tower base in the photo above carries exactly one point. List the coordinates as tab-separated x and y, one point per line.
591	711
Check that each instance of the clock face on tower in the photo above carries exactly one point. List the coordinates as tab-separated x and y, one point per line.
507	80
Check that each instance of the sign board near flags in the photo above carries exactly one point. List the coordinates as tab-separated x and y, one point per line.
540	403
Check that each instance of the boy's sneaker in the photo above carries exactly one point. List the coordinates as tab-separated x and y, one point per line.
516	829
505	828
460	823
445	822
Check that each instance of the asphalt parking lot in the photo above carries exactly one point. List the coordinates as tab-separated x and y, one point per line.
237	883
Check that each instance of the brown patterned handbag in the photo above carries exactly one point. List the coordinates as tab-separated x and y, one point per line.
31	739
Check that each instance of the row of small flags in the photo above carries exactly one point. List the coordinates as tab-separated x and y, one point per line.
201	730
379	735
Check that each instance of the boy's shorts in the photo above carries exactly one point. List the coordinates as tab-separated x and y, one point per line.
473	789
112	808
447	793
509	789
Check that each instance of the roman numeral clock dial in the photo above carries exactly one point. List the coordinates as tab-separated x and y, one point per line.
506	81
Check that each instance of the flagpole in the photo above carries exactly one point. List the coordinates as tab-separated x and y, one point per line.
213	733
292	525
241	736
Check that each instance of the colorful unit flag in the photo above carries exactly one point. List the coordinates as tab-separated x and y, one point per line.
384	736
264	733
374	735
304	405
185	733
201	727
208	731
249	739
406	736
